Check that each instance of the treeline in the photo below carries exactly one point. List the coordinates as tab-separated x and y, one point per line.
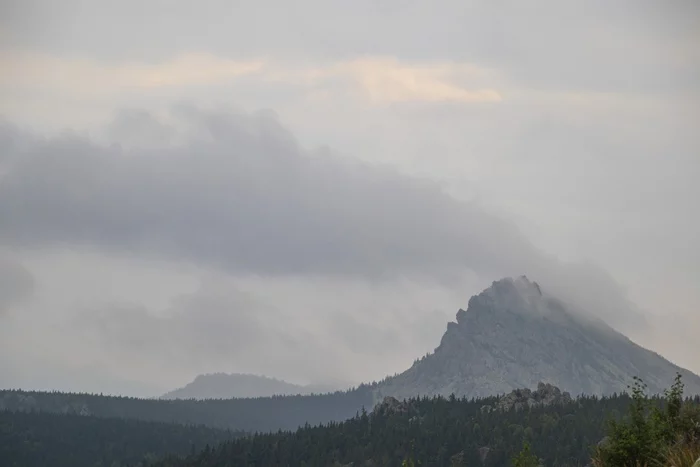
261	414
46	439
617	431
430	432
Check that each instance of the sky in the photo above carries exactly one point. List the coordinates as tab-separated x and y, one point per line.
310	190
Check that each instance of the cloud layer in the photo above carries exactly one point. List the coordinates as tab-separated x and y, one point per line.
242	196
16	282
577	122
245	197
591	45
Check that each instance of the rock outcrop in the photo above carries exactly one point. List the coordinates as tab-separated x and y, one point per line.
391	406
514	335
545	395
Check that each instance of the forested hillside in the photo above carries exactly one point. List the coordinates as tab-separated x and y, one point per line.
256	414
49	439
537	427
524	428
431	432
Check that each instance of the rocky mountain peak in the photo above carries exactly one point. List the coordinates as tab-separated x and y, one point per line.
515	334
514	295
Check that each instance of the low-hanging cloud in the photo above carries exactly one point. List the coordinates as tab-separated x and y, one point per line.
245	197
16	282
242	196
222	326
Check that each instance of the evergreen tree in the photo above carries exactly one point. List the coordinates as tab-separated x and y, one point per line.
526	458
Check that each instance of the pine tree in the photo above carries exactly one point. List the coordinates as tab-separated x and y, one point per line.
526	458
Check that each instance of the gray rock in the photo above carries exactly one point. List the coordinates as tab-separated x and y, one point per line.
545	394
391	406
515	335
484	453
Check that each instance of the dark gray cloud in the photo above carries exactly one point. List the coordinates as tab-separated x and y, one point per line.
242	196
245	197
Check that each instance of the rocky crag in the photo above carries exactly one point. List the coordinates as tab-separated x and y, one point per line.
514	335
520	399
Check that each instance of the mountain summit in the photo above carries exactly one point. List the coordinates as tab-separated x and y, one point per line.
514	335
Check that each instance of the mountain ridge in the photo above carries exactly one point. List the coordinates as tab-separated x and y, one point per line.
241	385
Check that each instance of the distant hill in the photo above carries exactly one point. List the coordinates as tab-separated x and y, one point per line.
238	385
514	335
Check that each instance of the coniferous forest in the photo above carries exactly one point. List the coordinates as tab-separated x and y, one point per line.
621	430
434	432
68	440
252	414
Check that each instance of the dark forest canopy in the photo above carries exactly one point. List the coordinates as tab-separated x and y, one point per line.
56	440
255	414
433	432
424	431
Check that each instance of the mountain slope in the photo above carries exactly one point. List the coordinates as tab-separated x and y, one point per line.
513	335
237	385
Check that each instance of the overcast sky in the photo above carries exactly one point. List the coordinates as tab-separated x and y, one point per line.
310	190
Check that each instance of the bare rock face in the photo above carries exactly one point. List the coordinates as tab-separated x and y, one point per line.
514	335
391	406
484	453
544	395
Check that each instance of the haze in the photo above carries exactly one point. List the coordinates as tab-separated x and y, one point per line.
310	190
